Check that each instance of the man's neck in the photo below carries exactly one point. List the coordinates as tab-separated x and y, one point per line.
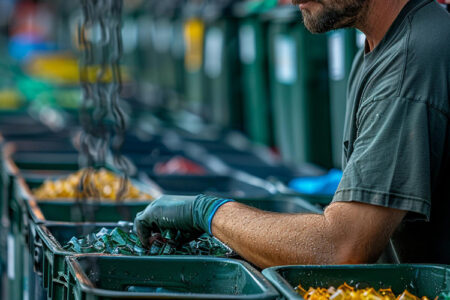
377	18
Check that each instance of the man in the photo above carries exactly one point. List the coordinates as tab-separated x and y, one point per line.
396	180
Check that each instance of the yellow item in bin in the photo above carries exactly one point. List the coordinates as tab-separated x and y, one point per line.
347	292
99	185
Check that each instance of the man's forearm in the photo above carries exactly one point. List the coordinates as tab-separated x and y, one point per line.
347	232
267	239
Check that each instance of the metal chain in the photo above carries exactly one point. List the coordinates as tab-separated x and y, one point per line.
101	116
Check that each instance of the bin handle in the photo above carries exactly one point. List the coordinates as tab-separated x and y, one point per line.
38	253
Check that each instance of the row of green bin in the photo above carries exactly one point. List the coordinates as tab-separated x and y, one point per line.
25	214
69	277
257	68
39	229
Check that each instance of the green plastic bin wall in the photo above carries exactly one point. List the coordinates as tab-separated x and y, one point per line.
49	255
163	36
299	89
177	56
342	48
255	87
421	280
222	104
144	52
16	256
153	53
164	277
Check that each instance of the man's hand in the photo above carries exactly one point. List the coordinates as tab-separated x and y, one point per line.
191	214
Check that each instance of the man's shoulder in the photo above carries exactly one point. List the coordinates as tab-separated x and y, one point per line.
426	76
430	31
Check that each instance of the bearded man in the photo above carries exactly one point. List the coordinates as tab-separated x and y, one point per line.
396	180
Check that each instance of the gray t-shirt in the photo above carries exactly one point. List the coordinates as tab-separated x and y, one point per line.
397	134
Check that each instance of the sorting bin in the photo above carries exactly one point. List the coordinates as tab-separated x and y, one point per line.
70	210
342	47
49	238
299	88
420	280
164	277
49	255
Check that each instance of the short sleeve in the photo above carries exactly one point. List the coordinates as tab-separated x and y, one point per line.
395	156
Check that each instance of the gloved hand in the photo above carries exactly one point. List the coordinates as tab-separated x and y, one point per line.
185	213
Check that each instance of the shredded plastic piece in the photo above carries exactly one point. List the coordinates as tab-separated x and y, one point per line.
105	185
119	241
444	296
180	166
347	292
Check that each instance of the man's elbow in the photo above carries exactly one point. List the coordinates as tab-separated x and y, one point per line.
351	253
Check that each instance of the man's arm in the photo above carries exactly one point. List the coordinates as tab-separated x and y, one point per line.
347	232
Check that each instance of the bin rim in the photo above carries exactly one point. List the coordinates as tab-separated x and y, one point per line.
267	290
272	273
37	216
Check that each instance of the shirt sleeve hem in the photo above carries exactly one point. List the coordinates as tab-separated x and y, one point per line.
415	205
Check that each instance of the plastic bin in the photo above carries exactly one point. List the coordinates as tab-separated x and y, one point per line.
421	280
41	211
164	277
299	89
342	48
49	254
223	102
46	161
255	78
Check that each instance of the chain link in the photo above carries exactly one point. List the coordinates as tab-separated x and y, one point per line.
101	116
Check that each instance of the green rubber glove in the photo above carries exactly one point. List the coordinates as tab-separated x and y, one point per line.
191	214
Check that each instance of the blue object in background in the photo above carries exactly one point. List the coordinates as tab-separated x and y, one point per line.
319	185
23	46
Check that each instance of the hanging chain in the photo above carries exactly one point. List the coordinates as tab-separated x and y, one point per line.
101	116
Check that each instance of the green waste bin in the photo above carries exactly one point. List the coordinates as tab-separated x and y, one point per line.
255	77
49	255
177	55
144	50
164	36
299	89
222	103
420	280
89	277
342	48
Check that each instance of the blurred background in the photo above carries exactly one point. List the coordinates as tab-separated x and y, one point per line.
249	66
224	97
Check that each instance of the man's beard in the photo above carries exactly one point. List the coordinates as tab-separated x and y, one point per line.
333	14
